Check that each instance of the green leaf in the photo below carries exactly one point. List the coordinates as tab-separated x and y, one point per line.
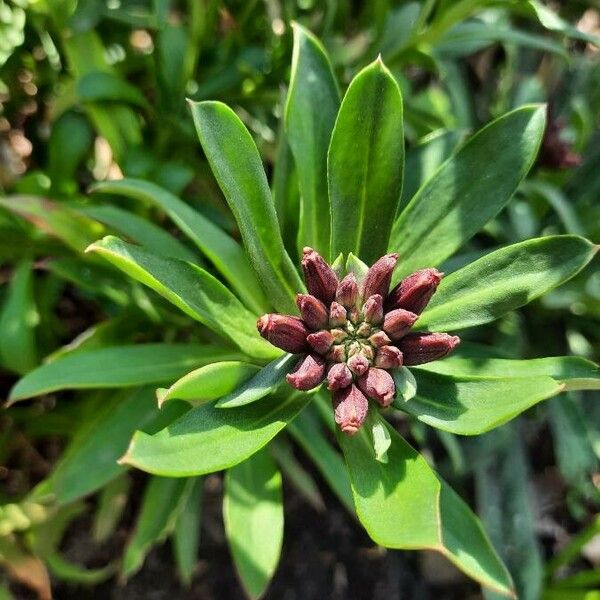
18	319
403	504
472	405
406	385
236	164
208	439
253	516
222	250
573	372
550	20
117	366
193	290
112	501
504	280
98	86
187	532
365	163
266	381
311	108
209	382
163	500
381	441
467	190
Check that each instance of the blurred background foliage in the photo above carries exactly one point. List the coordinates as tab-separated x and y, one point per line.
96	89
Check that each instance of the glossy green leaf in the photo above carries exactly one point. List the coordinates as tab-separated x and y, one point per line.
403	504
552	21
266	381
467	190
193	290
236	164
117	366
311	108
253	516
365	164
186	536
209	439
472	405
406	385
209	382
504	280
220	248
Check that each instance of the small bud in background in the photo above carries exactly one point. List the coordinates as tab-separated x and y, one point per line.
414	292
321	341
358	364
312	311
380	339
309	373
388	357
347	291
337	354
379	385
350	409
556	152
373	309
419	348
337	315
285	332
398	322
338	377
321	280
379	276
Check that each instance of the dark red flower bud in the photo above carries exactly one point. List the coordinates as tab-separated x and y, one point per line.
350	409
379	385
397	323
309	373
313	311
321	341
388	357
339	377
347	291
419	348
379	276
373	309
380	339
337	315
320	278
358	364
414	292
285	332
555	152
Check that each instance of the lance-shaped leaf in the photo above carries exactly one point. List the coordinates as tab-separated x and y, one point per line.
504	280
253	517
236	164
467	190
209	439
403	504
311	108
472	405
365	164
193	290
118	366
221	249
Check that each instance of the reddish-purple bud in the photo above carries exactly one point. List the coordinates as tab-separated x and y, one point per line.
414	292
373	309
380	339
320	278
398	322
337	354
321	341
388	357
379	276
339	376
358	364
379	385
285	332
309	373
419	348
313	311
337	315
347	291
350	409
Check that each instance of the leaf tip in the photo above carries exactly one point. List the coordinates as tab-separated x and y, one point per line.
162	394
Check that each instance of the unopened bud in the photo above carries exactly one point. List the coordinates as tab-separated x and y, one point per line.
337	354
414	292
373	309
321	341
358	364
380	339
379	385
350	409
313	311
337	315
419	348
320	278
339	335
388	357
398	322
379	276
339	377
285	332
347	291
364	330
309	373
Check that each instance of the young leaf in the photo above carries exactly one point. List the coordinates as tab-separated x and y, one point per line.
311	108
406	385
208	439
504	280
403	504
236	164
467	190
365	163
193	290
253	516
